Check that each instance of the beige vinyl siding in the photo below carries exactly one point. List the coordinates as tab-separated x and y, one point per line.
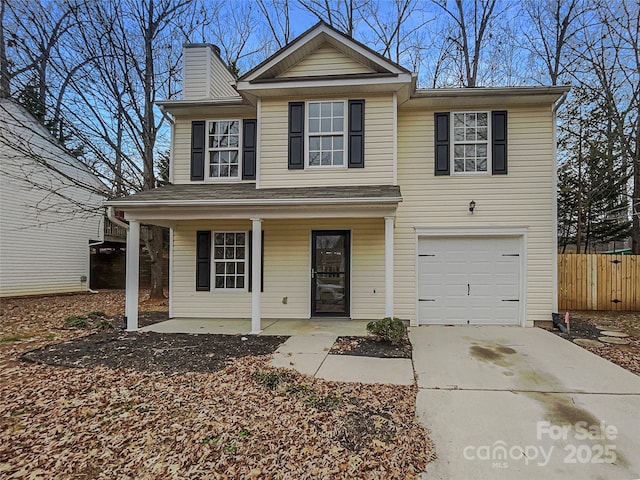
523	198
326	60
378	150
182	151
185	301
221	79
287	263
205	75
195	83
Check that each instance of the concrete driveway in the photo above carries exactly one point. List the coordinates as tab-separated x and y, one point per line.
508	402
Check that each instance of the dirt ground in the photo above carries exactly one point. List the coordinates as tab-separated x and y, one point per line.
154	352
246	420
588	324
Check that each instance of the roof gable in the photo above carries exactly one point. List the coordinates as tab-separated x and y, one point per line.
326	60
309	47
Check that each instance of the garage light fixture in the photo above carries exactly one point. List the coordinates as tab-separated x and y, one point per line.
472	206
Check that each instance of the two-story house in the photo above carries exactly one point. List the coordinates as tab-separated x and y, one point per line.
323	183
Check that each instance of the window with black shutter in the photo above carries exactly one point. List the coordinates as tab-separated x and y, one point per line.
296	135
356	133
470	142
499	142
197	150
203	261
249	142
250	268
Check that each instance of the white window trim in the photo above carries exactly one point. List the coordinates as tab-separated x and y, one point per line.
246	262
453	144
345	136
207	165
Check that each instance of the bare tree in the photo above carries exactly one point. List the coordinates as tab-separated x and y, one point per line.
470	29
554	24
395	29
35	39
605	72
277	14
5	80
622	91
247	44
340	14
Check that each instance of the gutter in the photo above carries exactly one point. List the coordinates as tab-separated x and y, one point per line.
560	101
111	215
256	202
481	91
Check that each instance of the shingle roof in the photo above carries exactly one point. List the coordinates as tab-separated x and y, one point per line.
246	193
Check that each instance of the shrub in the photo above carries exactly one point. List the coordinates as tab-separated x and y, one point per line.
104	324
95	314
76	321
391	330
271	380
323	402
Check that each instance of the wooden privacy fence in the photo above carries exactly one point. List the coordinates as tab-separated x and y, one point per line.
598	282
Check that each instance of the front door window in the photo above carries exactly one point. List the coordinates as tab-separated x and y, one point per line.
330	273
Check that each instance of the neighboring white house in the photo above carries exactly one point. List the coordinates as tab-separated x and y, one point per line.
49	210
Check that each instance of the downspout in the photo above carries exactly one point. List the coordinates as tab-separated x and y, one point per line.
173	140
95	244
111	215
554	262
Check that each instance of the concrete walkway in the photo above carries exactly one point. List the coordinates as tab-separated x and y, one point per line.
309	354
307	349
514	403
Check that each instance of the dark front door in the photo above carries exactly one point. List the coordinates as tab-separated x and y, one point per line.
330	273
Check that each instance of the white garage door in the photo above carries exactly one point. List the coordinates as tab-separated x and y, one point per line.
469	280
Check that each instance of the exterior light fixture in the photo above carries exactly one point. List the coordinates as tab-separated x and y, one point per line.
472	206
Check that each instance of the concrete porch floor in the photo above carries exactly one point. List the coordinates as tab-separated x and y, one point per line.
273	326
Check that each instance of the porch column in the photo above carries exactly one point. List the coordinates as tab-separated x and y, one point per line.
133	269
388	266
256	274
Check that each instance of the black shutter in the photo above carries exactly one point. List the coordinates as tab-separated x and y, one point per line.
250	272
249	137
356	133
499	142
203	261
442	149
296	135
197	150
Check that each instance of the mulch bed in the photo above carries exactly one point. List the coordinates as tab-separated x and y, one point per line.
370	347
580	328
154	352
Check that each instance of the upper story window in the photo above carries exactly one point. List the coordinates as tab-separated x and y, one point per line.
326	132
470	133
224	149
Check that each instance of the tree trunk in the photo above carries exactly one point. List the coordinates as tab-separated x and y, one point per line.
154	245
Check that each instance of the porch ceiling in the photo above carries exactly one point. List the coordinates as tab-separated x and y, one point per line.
171	203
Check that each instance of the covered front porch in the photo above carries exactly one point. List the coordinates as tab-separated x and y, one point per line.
315	253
